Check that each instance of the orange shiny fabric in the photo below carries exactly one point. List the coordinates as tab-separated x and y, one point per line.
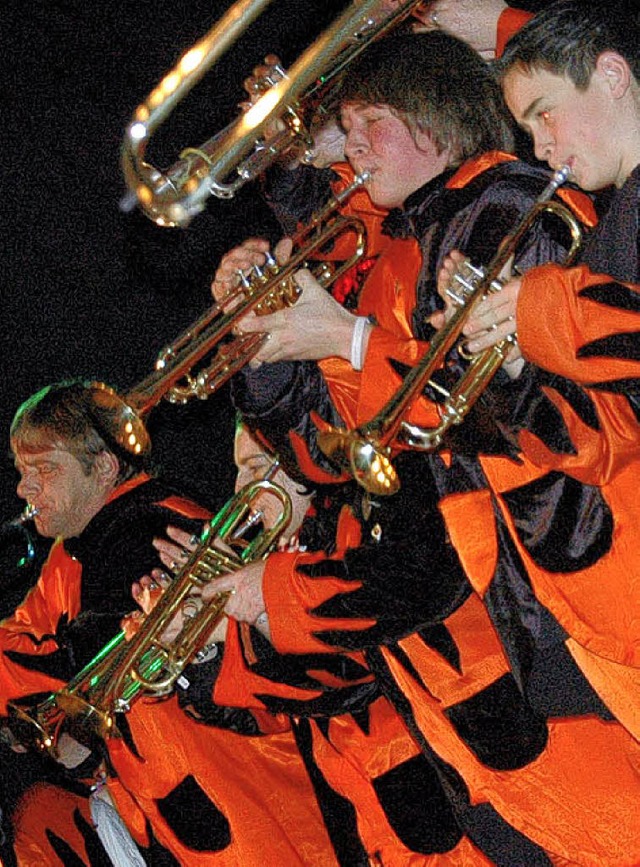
47	810
258	783
350	758
554	800
556	318
509	22
25	631
578	799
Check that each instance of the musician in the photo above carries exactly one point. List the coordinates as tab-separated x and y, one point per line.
95	498
93	494
555	767
572	80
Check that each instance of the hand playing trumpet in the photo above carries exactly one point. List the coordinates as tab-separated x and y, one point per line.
492	319
315	327
245	603
149	588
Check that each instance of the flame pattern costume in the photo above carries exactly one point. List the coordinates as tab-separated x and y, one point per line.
508	517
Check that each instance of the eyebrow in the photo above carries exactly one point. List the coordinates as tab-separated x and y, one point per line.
531	108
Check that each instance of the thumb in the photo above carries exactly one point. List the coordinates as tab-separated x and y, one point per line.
283	250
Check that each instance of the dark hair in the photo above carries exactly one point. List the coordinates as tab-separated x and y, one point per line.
567	38
86	418
438	84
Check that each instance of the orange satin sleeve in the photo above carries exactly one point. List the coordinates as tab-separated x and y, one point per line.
600	454
597	606
291	596
556	319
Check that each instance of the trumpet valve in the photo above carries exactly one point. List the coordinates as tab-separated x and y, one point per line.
372	468
463	282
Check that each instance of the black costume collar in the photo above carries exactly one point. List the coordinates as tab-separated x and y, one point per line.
405	222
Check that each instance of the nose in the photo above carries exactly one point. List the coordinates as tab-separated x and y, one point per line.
543	146
355	144
27	486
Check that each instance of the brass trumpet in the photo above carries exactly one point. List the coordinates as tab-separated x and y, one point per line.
175	377
124	670
173	197
269	290
366	451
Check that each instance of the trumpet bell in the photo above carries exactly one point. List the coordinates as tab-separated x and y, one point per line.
370	466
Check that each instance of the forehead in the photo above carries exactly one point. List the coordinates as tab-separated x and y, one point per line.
353	109
525	90
246	448
54	454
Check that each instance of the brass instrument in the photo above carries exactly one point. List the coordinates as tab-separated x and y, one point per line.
173	197
18	527
366	451
124	670
268	290
272	288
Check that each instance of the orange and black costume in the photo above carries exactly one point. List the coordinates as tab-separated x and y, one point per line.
180	806
487	491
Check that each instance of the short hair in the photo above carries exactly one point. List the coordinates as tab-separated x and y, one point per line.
85	418
435	83
567	38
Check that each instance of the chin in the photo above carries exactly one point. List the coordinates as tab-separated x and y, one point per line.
387	201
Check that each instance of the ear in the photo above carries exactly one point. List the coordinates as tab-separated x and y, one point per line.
615	71
106	467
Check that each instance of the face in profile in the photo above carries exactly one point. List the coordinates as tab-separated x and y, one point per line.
398	160
253	464
58	486
573	125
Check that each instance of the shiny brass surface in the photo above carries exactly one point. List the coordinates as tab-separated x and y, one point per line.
239	153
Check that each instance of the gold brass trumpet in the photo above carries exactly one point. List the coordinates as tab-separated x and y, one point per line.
173	197
366	451
269	290
176	377
124	670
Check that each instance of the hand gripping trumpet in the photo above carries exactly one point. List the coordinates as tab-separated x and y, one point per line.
366	451
173	197
147	665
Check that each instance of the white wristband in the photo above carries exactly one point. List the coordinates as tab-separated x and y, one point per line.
357	342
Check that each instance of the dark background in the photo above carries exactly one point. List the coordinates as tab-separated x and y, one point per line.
85	289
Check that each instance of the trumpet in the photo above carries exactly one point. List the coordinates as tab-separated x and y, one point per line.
176	376
270	289
175	196
366	451
147	665
18	527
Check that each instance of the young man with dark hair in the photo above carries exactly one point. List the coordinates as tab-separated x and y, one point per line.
571	78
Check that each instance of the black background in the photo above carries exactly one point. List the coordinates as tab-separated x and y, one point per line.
87	290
